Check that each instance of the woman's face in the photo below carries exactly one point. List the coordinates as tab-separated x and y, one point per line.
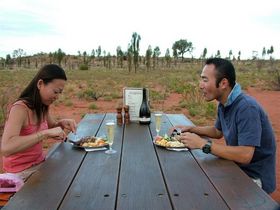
49	92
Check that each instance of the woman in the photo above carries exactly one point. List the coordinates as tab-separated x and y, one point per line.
29	122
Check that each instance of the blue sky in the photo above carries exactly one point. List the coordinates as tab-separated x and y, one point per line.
44	26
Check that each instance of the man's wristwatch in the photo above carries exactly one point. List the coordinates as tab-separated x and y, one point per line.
207	147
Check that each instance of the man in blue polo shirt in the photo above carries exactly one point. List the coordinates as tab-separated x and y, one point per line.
248	133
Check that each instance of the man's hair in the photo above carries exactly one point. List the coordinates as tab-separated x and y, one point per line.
224	69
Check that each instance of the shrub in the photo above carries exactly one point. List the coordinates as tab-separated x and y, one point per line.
68	103
92	106
83	67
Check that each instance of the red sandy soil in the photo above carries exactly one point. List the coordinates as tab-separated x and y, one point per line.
270	100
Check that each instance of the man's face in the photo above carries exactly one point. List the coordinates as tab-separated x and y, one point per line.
208	83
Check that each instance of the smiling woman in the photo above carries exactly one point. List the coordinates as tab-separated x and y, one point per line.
29	122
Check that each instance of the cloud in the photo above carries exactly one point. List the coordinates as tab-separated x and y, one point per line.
83	25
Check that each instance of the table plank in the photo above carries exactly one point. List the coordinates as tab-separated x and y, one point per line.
95	186
188	186
236	188
47	186
88	126
141	185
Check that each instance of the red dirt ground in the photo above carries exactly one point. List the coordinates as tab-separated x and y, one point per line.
270	100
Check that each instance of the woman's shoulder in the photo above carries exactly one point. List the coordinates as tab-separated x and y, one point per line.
19	102
19	105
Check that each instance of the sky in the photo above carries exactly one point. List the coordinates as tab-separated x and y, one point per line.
44	26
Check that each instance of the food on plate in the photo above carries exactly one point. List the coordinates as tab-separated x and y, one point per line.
167	141
91	141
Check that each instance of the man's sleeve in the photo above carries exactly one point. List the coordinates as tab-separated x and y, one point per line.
249	127
218	123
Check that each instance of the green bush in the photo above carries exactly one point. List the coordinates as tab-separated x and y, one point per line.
92	106
83	67
68	103
108	98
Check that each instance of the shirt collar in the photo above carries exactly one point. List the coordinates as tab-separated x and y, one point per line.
235	92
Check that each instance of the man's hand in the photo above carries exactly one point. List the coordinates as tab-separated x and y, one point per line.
191	140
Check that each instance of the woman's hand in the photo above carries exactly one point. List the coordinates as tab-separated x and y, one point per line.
56	133
68	124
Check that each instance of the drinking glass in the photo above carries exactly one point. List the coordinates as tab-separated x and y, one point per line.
110	129
158	116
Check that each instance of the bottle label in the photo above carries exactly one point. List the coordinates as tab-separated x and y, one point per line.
145	119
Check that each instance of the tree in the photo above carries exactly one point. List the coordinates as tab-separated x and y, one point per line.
218	54
85	57
17	54
92	56
175	54
263	53
204	53
270	51
129	57
120	56
59	55
182	46
8	60
109	60
167	58
98	52
148	57
51	57
239	55
156	54
104	58
135	42
230	54
254	55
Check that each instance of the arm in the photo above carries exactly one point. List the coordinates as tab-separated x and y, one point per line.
239	154
209	131
68	124
13	143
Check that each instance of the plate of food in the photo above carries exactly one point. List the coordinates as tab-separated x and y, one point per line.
90	142
169	142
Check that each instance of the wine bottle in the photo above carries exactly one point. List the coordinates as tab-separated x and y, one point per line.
144	112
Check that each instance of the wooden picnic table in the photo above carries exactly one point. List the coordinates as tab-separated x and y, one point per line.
140	175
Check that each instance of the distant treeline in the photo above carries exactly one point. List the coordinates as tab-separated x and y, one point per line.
128	59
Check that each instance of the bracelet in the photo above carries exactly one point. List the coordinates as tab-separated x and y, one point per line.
56	124
39	136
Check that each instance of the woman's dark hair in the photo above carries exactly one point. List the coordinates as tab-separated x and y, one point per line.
31	96
224	69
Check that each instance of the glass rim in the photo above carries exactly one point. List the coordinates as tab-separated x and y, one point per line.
110	122
158	113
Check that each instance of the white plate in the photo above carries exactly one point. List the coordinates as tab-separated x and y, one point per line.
177	149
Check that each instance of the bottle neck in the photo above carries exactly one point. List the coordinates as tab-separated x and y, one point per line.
144	95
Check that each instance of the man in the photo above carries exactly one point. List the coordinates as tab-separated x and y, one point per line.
250	140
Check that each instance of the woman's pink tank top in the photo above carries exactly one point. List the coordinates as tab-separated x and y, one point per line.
29	157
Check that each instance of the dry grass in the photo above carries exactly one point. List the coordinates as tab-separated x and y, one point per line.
90	85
